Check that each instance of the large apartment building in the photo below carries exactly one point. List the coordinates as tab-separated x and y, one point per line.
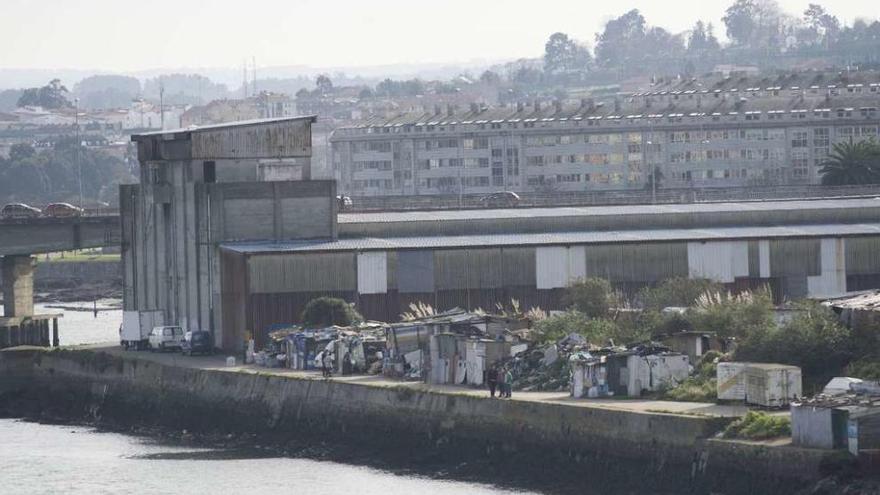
721	132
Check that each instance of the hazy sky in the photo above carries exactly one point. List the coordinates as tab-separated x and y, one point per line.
125	35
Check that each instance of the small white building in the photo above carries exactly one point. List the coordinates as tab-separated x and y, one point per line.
589	377
630	374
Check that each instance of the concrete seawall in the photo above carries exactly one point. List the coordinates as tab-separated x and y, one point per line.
585	443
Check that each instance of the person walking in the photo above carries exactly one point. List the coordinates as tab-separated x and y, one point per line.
508	382
327	364
322	363
492	380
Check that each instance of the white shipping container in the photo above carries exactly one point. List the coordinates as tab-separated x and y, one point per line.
772	385
731	381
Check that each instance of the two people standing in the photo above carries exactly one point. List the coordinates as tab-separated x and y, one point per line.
500	379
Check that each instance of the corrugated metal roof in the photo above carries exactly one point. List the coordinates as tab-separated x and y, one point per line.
488	214
549	239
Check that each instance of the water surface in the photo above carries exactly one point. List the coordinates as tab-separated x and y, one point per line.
50	459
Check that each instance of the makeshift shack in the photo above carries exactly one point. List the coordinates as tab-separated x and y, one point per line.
588	376
772	385
641	370
694	344
480	355
849	420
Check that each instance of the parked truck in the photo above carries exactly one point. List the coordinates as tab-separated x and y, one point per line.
136	327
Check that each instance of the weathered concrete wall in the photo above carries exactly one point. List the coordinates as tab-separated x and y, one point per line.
80	272
660	450
18	285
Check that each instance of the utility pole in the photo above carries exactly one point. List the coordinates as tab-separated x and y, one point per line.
76	150
244	80
254	86
161	104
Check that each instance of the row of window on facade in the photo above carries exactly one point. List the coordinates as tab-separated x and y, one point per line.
634	140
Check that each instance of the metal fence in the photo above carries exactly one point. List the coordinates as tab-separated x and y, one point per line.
598	198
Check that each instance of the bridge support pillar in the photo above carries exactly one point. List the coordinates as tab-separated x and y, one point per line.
18	285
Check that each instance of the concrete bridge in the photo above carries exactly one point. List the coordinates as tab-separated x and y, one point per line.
20	239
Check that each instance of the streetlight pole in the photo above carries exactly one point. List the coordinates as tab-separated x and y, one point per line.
76	150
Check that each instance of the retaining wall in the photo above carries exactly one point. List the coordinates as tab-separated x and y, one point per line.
588	443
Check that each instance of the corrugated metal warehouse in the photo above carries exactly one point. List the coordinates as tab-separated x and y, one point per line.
384	275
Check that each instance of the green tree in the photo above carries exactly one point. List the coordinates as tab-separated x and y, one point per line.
563	55
703	39
327	311
490	78
324	84
814	340
591	296
51	96
822	27
613	45
852	163
740	19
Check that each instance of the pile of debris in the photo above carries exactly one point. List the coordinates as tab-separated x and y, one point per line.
548	368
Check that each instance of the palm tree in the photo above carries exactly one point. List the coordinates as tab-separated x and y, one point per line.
852	164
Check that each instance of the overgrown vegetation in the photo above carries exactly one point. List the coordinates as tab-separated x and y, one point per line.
592	296
732	315
813	340
595	330
702	385
677	292
328	311
866	368
758	426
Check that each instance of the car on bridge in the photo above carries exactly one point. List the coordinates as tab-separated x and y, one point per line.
344	203
62	210
503	199
19	210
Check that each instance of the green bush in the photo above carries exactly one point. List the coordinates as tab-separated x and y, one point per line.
595	330
591	296
677	292
702	386
694	389
865	368
758	426
327	311
813	340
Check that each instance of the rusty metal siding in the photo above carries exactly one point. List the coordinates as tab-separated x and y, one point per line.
277	273
234	297
271	140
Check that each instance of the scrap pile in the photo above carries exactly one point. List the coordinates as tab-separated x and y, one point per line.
548	368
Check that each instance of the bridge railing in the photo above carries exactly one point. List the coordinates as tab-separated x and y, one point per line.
597	198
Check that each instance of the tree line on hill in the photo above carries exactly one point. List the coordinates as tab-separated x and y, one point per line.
38	176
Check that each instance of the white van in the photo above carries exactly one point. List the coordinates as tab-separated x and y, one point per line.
162	338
